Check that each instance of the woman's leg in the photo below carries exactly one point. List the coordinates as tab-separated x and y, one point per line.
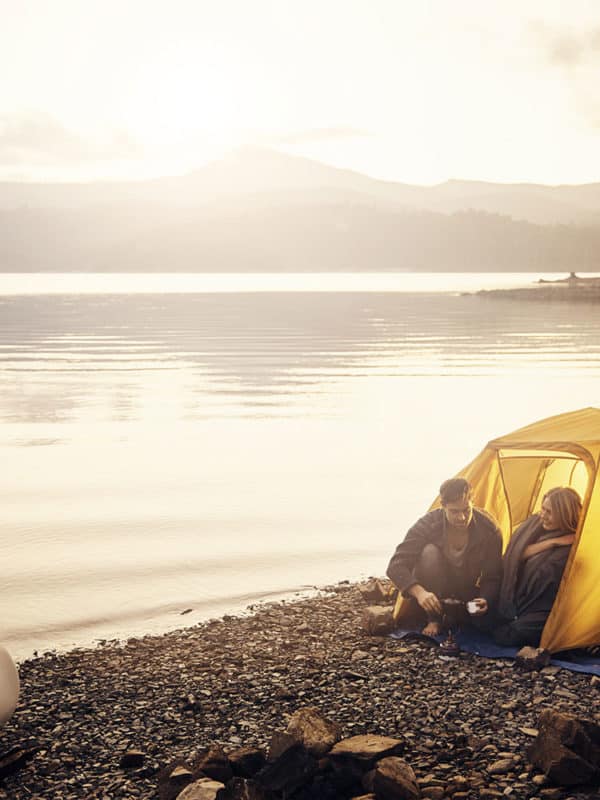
525	630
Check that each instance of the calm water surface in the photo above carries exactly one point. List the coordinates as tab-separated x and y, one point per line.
175	444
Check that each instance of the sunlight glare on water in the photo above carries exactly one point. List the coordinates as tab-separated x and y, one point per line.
210	282
201	450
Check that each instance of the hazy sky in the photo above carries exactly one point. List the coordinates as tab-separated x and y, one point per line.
407	90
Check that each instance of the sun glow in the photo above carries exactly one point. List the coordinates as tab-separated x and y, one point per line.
190	106
431	90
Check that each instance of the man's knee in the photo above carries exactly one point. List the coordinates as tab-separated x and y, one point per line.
431	557
431	568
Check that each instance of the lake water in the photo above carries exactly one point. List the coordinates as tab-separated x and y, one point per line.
176	442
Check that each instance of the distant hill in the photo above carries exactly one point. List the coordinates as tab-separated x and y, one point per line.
262	210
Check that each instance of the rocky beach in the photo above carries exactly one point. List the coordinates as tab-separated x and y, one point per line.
148	717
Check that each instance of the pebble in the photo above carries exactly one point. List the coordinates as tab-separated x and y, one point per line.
501	767
233	682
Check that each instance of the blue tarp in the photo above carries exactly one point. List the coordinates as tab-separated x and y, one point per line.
480	644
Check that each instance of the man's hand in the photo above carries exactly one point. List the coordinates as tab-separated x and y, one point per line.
480	604
427	600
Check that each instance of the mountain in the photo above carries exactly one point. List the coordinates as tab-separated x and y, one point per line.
543	205
264	210
290	179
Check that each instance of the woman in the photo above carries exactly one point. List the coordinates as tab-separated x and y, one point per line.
533	566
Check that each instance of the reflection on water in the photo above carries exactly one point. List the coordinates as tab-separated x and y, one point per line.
174	451
252	354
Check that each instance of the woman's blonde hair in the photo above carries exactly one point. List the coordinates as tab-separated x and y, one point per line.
566	507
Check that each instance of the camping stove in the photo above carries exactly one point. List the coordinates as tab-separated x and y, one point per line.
454	611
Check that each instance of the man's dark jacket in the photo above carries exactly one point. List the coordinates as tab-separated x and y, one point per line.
483	556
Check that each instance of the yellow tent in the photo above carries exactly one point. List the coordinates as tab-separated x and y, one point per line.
510	477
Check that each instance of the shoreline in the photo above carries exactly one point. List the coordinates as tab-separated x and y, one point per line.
179	618
570	290
234	681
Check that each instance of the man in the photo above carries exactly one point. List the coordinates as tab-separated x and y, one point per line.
454	551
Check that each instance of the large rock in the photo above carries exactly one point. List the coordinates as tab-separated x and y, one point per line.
395	780
347	776
242	789
324	786
378	620
132	759
202	789
317	734
279	744
214	764
367	748
247	761
567	749
173	779
377	591
532	658
15	759
289	765
352	758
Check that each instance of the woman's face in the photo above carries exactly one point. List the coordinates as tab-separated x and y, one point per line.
549	523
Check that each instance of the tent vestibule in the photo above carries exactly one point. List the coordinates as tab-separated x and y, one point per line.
510	477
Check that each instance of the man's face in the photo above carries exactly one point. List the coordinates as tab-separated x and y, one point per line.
459	513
